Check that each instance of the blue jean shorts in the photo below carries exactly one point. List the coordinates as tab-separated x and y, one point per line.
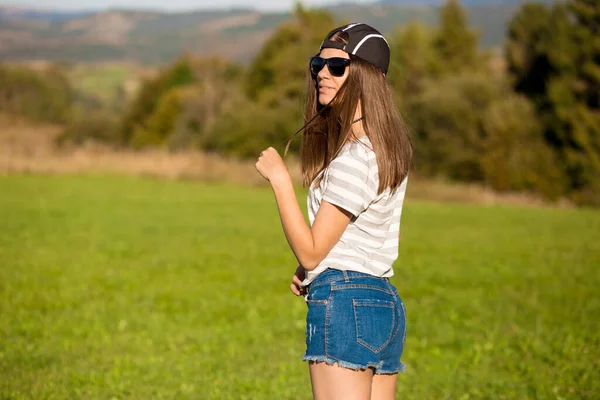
355	320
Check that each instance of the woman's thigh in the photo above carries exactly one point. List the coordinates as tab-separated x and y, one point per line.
331	382
384	387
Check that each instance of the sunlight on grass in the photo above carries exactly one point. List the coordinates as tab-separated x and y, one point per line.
117	287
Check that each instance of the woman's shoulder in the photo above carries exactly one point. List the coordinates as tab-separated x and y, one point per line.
360	150
357	157
360	147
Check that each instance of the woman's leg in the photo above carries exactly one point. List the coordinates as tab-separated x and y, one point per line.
384	387
330	382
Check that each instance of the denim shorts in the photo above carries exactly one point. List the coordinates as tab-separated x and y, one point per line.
355	320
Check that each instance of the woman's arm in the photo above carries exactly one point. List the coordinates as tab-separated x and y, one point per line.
310	245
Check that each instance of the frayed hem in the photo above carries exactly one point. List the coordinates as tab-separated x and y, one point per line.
352	366
402	370
341	363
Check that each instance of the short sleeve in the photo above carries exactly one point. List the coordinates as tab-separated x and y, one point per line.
347	184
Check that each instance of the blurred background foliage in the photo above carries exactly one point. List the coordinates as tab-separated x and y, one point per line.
525	120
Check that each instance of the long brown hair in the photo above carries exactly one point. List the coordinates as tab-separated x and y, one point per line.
328	128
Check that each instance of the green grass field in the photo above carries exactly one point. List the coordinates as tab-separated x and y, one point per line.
102	81
130	288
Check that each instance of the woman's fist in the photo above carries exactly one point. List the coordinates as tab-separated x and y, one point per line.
271	166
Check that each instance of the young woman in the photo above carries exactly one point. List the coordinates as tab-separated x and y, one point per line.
355	159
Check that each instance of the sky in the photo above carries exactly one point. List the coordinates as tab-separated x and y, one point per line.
168	5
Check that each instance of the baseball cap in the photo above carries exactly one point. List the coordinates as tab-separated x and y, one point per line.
365	42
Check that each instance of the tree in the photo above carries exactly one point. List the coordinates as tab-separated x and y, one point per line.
581	125
456	45
514	154
160	124
413	60
37	95
527	46
279	69
447	125
178	108
149	96
275	86
554	59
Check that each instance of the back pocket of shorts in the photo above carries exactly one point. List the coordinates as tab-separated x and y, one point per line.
375	322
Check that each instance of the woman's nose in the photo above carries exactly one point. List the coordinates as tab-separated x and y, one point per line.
324	72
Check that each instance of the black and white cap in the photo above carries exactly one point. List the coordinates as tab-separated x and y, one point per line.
365	42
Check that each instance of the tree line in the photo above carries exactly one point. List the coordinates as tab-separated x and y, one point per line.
528	120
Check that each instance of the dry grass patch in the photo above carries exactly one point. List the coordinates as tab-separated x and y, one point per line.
29	148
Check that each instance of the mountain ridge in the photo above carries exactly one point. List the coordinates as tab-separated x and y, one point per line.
153	37
463	2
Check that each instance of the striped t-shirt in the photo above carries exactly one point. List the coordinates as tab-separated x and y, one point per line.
370	242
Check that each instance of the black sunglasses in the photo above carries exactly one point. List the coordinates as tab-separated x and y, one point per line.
336	65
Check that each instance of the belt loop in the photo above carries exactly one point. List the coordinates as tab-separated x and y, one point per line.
346	279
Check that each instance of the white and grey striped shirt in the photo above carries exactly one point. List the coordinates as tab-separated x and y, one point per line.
370	242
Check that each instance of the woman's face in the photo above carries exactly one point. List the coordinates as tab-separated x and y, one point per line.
327	84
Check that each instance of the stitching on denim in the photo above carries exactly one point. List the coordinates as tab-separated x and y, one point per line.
326	282
312	287
337	278
404	311
397	327
390	286
316	301
373	304
397	299
344	286
327	308
397	309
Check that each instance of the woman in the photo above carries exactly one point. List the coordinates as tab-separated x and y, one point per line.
355	159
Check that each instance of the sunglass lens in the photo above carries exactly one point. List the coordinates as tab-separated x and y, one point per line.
337	66
316	65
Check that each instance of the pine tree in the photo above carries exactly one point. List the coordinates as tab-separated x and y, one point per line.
554	58
527	45
581	126
413	60
456	45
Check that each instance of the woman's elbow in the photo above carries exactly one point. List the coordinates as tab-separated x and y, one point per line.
310	263
309	266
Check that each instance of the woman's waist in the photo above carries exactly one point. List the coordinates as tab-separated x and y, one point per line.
334	275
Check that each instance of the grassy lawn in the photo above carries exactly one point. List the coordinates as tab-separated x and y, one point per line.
129	288
102	81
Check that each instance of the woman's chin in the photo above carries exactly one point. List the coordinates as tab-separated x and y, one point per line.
324	100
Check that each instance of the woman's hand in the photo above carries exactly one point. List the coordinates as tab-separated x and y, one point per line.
296	286
271	166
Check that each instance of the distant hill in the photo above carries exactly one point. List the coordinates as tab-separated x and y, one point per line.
157	37
49	15
464	2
